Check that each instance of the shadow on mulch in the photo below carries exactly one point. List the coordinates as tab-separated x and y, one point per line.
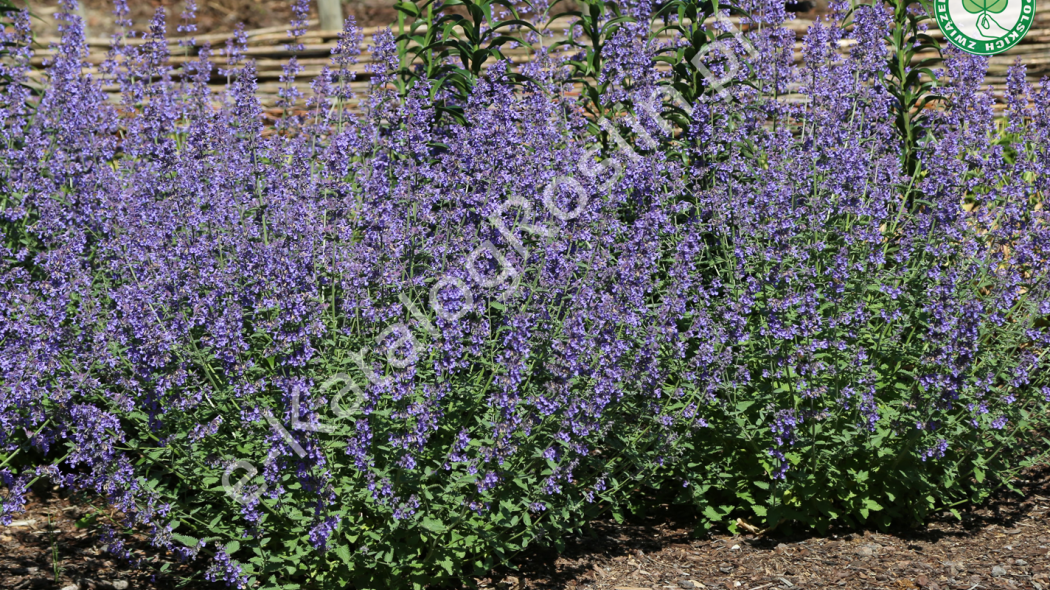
44	548
1001	544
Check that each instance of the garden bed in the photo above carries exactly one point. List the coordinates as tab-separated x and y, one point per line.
1003	544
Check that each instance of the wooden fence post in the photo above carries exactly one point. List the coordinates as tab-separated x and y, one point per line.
331	14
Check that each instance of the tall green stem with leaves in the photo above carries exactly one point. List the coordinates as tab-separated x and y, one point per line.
910	76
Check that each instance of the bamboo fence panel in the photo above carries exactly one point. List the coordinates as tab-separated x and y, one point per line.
267	48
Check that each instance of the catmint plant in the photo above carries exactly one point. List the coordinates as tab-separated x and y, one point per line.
408	334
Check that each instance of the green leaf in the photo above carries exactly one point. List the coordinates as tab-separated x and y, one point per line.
712	514
232	546
446	564
343	552
408	8
433	525
185	539
978	474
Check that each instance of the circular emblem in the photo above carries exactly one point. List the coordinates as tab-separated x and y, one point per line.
985	27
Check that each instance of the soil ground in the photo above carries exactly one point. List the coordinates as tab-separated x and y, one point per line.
1002	544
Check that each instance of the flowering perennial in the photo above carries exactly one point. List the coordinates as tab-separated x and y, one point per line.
395	344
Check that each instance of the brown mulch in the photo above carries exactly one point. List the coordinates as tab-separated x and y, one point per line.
1003	544
44	548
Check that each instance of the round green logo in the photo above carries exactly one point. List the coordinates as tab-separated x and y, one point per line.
985	27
